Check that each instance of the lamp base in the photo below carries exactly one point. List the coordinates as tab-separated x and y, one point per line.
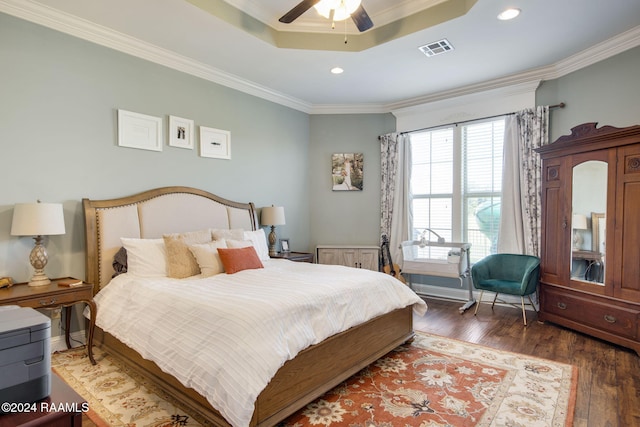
272	241
39	280
39	258
577	241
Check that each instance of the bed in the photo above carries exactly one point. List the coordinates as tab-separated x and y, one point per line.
304	375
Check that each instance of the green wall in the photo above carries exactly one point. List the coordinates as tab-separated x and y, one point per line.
59	97
607	92
346	217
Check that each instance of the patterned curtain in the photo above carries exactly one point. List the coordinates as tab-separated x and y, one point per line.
520	218
395	169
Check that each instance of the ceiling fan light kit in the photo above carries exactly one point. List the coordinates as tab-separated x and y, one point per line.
335	10
342	9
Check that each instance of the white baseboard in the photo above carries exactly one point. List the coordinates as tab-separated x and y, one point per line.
58	343
461	294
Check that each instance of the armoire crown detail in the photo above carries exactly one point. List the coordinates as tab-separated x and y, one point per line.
633	164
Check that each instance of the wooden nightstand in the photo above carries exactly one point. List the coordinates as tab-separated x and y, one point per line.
295	256
54	295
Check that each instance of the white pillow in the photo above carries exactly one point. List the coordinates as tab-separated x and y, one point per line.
222	233
208	258
259	240
231	243
145	257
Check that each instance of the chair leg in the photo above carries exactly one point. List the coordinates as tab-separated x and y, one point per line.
524	313
478	303
495	297
532	304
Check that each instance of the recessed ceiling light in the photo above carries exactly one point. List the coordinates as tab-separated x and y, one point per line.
337	70
508	14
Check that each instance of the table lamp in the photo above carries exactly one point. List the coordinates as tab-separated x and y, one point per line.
37	220
272	215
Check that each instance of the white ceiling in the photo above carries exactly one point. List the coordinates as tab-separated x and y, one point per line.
548	39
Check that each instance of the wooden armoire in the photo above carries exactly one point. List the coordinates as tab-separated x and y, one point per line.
590	275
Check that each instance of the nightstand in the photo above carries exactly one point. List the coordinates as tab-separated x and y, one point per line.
295	256
53	295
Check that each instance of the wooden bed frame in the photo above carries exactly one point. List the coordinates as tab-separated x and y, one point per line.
311	373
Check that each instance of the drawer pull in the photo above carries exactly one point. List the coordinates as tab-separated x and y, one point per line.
609	318
44	302
562	306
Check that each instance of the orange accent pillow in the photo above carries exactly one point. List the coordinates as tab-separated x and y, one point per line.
238	259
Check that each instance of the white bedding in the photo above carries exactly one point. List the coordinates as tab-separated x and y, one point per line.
227	335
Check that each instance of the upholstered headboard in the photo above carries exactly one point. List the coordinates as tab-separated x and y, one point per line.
151	214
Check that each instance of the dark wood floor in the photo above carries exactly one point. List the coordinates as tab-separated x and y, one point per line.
609	376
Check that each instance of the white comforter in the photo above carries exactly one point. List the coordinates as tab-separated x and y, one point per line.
227	335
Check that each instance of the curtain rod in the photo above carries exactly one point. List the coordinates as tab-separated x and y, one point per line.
560	105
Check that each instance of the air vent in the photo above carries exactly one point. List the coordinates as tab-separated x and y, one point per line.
436	48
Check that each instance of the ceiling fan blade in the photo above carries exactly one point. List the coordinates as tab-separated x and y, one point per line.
300	8
361	19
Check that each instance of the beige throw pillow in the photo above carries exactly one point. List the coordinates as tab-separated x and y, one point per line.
208	258
180	261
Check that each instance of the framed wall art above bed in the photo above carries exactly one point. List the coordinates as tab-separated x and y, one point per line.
181	132
140	131
215	143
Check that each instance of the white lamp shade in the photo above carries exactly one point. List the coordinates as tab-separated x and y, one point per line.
37	219
579	222
272	215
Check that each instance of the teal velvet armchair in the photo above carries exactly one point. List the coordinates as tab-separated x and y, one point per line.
510	274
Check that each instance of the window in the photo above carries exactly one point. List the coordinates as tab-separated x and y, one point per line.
456	184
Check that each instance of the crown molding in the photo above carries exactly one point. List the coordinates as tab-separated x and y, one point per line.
601	51
349	109
590	56
86	30
103	36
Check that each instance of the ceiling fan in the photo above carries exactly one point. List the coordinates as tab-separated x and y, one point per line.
335	10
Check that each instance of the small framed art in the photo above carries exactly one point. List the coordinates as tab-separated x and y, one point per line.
180	132
284	245
140	131
215	143
347	171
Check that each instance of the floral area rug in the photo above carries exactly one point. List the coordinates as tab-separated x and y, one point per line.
430	382
117	395
436	381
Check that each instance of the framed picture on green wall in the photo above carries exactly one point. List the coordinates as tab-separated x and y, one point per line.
347	171
180	132
140	131
215	143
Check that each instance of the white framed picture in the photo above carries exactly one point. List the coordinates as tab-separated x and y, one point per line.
140	131
215	143
180	132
